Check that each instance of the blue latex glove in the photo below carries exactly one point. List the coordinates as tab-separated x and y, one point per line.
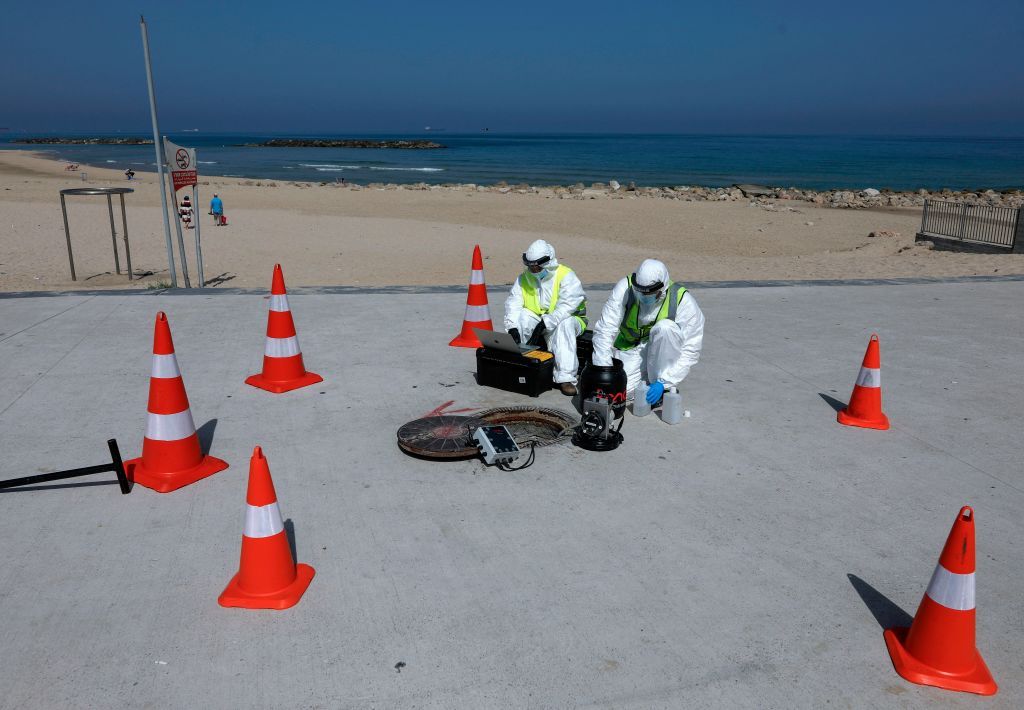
654	392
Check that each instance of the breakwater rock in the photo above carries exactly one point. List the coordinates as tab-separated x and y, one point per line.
107	140
319	143
771	199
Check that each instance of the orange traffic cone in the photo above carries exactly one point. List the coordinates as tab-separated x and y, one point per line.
171	455
865	407
478	313
268	577
938	649
283	369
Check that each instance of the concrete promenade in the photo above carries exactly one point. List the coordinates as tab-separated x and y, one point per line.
747	558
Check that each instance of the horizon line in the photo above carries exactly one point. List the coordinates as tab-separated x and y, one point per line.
506	133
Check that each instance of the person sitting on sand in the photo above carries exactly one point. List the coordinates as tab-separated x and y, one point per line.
548	307
216	209
654	326
185	210
129	173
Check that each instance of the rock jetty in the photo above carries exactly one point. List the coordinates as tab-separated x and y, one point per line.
771	199
320	143
108	140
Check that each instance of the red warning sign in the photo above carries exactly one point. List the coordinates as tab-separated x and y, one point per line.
182	164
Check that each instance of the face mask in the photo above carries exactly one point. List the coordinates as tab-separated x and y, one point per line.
647	300
542	274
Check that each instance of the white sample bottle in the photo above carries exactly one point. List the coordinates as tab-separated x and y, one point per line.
672	407
640	406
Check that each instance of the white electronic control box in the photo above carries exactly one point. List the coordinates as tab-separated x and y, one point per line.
496	444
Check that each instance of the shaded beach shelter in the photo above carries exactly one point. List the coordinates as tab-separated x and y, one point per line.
109	192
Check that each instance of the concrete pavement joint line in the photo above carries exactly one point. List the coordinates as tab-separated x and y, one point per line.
50	369
390	577
30	327
955	457
766	362
397	289
898	427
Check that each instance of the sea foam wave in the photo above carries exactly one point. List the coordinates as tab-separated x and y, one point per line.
414	170
334	168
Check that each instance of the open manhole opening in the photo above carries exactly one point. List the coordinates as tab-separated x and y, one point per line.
449	437
532	426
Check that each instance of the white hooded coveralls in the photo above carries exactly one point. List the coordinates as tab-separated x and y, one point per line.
562	327
673	346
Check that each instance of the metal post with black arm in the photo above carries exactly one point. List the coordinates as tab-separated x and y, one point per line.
116	466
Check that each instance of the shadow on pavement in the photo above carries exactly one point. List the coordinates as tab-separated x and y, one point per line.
219	279
205	433
886	612
289	529
833	402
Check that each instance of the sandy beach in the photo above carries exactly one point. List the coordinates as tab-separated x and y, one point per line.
328	235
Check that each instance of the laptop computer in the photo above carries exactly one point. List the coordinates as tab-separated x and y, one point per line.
501	341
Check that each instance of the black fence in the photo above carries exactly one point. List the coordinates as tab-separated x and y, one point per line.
985	226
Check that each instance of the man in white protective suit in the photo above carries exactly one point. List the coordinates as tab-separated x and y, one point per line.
547	306
654	326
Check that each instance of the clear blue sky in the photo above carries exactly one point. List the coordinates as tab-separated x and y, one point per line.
902	66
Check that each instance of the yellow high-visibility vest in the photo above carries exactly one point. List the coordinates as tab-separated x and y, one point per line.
531	295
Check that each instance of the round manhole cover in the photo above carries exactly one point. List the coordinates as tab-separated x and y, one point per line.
443	437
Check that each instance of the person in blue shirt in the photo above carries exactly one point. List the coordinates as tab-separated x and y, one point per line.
216	209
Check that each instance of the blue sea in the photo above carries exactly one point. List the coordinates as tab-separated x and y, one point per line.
816	162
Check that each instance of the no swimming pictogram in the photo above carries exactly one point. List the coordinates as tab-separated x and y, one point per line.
182	159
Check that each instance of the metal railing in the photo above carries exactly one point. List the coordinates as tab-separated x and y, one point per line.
982	224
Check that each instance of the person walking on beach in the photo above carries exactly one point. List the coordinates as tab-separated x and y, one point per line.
548	307
185	210
654	326
216	209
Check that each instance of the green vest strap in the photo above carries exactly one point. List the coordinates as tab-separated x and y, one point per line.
631	333
531	295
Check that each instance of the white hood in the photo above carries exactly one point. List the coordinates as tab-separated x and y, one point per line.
538	250
652	271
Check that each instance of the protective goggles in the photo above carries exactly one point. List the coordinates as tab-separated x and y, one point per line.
655	287
535	265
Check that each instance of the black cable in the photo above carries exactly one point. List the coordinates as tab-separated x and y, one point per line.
526	464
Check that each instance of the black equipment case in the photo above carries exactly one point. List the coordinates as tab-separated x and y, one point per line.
526	375
513	372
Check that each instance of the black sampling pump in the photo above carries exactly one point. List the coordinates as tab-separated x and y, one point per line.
602	397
